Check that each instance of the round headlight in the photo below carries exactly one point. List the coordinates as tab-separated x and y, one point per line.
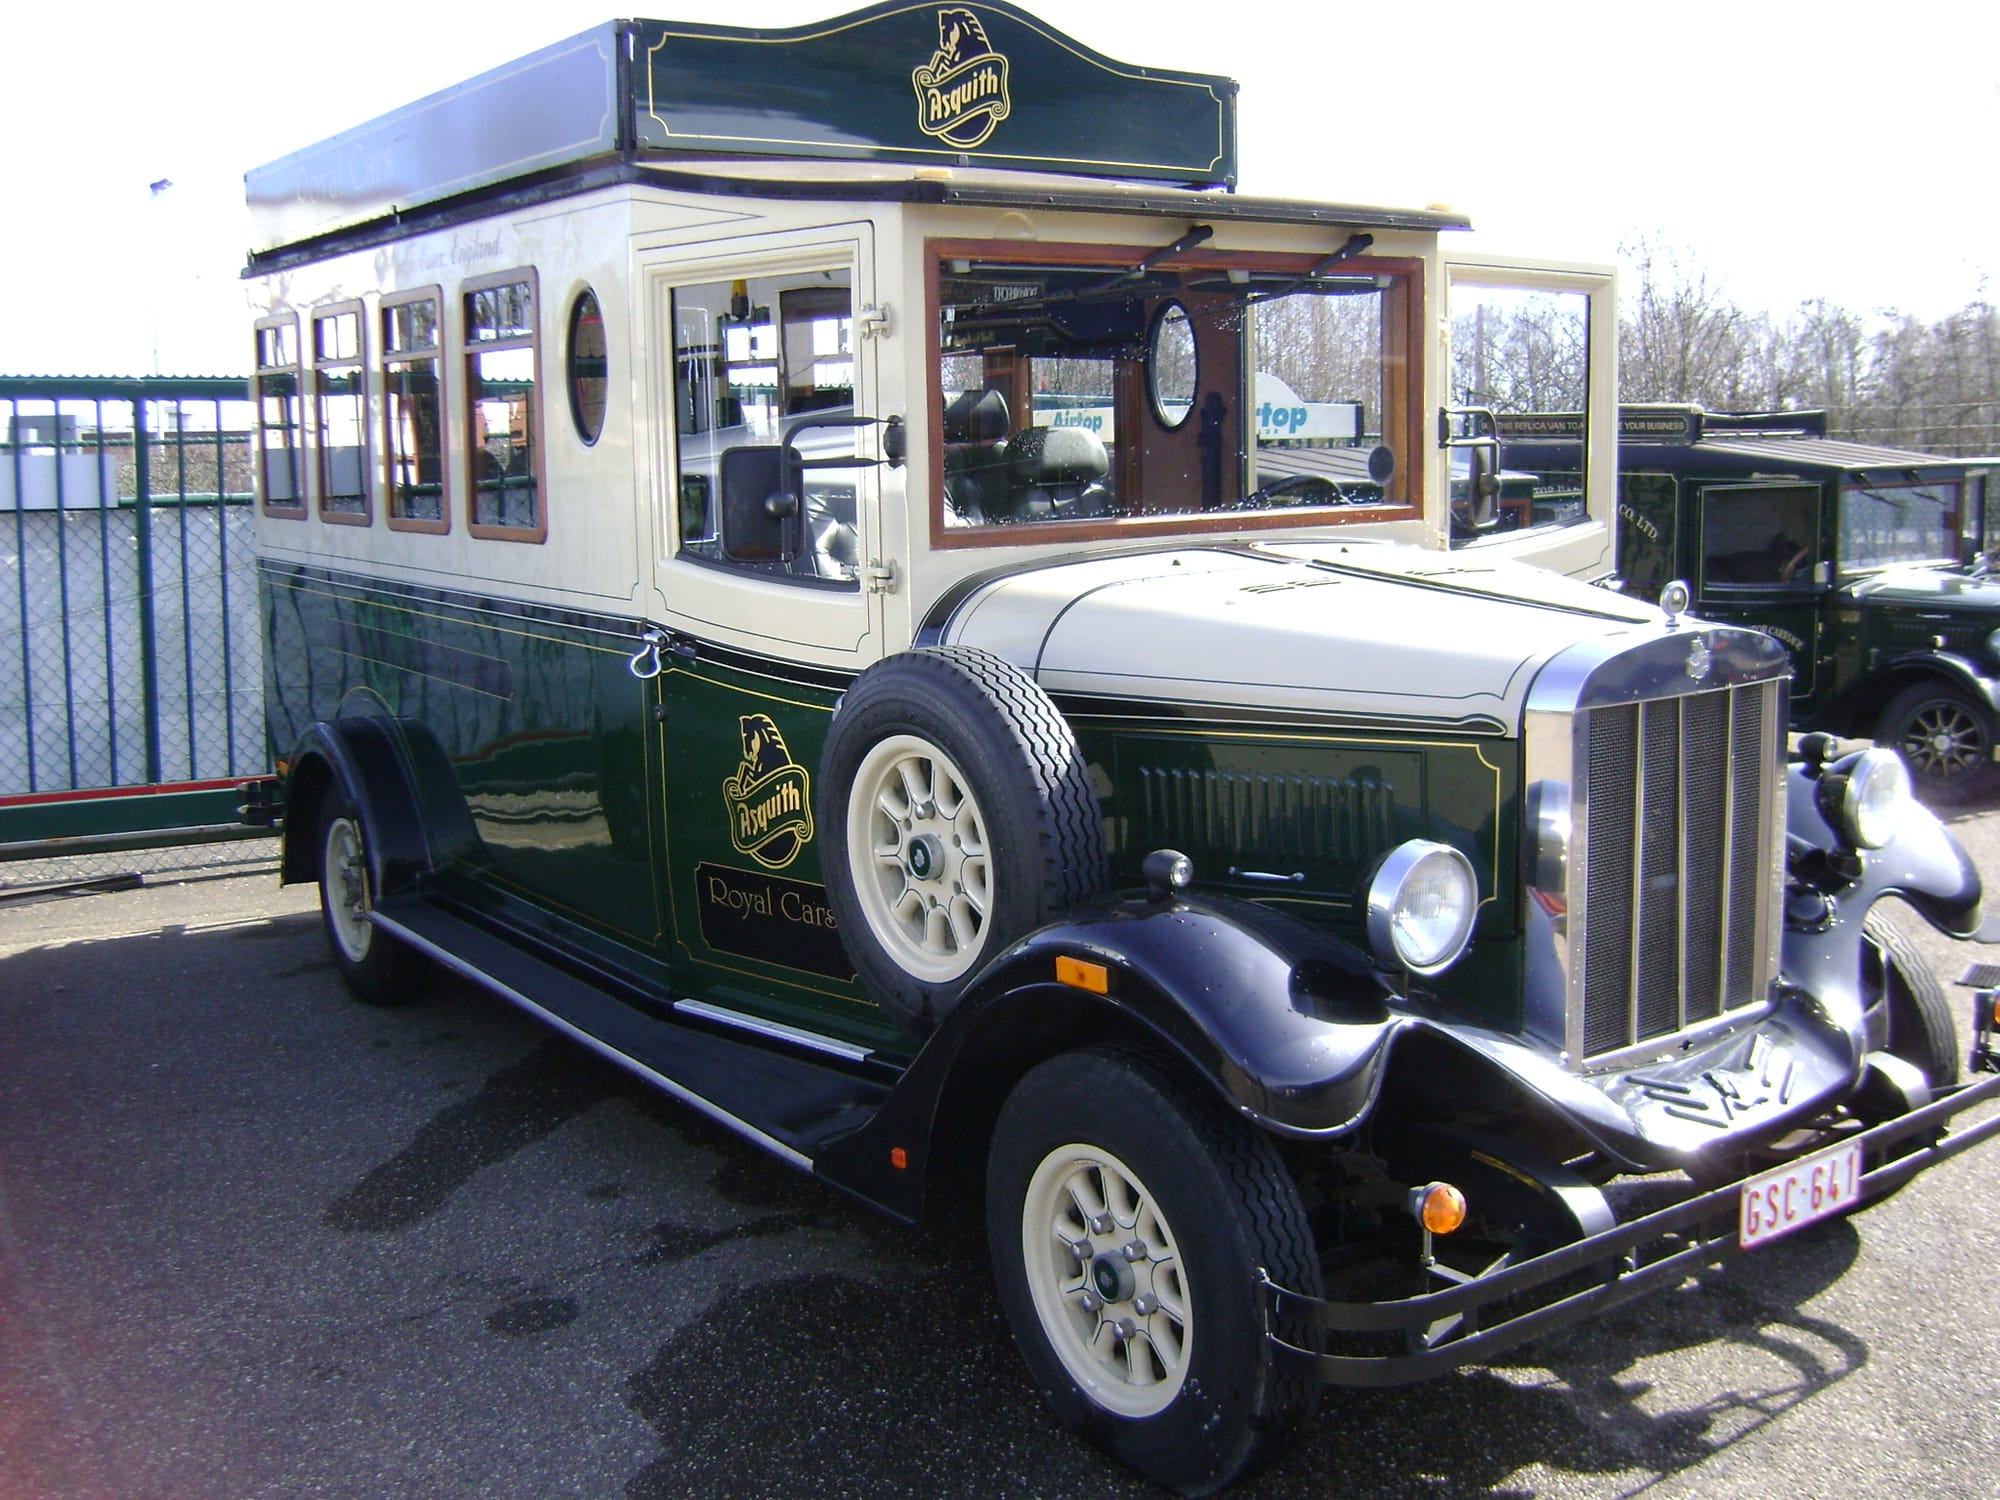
1420	907
1874	797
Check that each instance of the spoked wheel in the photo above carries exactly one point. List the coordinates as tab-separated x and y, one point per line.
958	817
376	968
1104	1270
1946	738
923	865
1128	1215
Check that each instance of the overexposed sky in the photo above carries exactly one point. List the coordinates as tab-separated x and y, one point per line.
1791	150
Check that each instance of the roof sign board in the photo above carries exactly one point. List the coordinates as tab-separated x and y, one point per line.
960	84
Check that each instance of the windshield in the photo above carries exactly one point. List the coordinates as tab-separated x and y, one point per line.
1884	525
1103	389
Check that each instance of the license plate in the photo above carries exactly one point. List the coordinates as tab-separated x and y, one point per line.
1814	1187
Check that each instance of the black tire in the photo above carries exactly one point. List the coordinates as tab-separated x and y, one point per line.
377	969
1193	1401
957	816
1921	1029
1946	738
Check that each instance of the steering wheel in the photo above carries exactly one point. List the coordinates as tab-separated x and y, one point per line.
1298	489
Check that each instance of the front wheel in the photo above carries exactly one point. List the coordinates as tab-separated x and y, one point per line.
1945	736
1128	1216
1921	1030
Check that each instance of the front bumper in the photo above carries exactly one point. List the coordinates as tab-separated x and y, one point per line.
1489	1314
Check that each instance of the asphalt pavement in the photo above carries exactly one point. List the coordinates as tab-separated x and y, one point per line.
257	1240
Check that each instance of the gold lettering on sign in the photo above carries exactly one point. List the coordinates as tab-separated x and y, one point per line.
962	90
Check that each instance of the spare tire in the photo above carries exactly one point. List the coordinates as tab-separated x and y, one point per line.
957	816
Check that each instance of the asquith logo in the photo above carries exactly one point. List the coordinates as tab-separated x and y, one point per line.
769	798
962	90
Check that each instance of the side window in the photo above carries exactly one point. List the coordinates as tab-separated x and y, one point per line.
279	419
757	361
1759	534
340	400
1647	532
1521	350
413	411
501	365
588	367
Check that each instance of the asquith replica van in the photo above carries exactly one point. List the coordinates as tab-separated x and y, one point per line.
849	571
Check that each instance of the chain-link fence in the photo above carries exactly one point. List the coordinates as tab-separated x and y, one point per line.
130	666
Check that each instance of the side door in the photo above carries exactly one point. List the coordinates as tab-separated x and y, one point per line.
1762	562
767	537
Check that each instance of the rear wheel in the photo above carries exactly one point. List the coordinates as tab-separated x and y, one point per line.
1128	1216
1946	737
376	967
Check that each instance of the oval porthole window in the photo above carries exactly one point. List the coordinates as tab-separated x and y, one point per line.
1170	365
588	375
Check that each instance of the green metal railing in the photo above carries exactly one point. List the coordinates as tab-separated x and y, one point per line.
131	701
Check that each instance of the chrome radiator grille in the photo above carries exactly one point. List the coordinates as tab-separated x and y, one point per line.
1678	880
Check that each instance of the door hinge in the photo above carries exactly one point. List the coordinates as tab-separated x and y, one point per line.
873	323
880	576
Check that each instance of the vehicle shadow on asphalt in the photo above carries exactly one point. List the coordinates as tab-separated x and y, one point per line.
896	1375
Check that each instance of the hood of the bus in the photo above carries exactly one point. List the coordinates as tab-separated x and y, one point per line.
1390	634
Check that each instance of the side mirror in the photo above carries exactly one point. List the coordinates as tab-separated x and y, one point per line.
1475	498
762	519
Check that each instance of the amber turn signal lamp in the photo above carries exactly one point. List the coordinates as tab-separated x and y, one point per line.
1439	1207
1084	976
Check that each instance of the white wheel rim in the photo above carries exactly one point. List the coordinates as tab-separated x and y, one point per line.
344	879
917	849
1106	1277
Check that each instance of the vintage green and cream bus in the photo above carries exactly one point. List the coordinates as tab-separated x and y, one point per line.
848	570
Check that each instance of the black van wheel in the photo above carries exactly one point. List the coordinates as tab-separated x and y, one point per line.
376	968
1921	1030
1127	1216
1945	736
957	817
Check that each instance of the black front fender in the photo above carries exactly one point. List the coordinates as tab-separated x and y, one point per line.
1832	885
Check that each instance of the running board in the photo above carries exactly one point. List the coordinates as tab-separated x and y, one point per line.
789	1104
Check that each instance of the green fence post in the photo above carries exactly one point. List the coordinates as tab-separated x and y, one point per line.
142	530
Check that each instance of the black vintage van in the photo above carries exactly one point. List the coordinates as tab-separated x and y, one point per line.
1868	563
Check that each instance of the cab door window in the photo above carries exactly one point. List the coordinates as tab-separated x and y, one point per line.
763	402
1759	535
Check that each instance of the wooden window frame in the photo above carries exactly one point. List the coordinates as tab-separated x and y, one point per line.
393	359
469	349
1402	349
295	511
321	452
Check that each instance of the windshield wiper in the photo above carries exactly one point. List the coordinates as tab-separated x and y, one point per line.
1116	281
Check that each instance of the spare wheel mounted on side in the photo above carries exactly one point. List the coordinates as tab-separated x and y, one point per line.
958	816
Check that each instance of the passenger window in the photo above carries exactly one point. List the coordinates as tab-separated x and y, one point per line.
413	411
1758	534
764	379
280	422
588	382
339	393
500	375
